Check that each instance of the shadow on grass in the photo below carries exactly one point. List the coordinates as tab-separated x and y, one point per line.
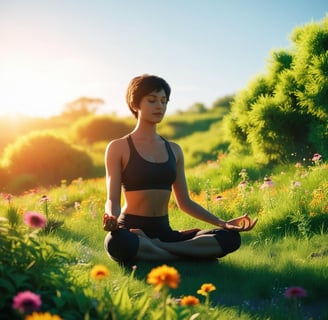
258	292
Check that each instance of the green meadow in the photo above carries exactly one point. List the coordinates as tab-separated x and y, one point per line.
261	151
287	248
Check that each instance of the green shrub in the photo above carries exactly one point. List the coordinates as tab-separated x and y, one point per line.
99	128
3	178
284	111
45	158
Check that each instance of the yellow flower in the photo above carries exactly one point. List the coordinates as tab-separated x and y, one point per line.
99	272
164	276
189	301
206	288
42	316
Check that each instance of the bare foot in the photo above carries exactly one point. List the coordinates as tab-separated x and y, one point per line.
138	232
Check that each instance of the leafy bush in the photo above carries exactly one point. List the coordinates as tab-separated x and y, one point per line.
284	111
3	178
99	128
45	159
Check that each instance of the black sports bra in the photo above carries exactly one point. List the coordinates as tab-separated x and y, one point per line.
141	174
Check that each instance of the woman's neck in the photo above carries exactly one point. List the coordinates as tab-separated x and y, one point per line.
145	131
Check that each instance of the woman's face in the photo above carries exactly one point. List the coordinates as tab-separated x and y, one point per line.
153	106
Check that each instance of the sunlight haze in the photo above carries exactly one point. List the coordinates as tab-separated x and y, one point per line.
53	52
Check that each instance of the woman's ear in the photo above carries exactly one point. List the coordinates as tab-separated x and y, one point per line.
135	107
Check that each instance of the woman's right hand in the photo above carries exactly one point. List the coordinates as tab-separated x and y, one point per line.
110	222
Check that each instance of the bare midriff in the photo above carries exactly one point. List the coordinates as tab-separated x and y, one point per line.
147	203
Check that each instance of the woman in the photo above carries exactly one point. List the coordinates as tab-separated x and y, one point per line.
146	167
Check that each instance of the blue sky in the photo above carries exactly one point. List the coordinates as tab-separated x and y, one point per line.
53	52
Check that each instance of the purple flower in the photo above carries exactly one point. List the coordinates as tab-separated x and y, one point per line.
295	292
268	183
35	219
26	301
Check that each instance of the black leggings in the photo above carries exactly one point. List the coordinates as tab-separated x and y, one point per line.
122	245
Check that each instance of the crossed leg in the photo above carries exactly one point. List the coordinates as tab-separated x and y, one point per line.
150	251
202	246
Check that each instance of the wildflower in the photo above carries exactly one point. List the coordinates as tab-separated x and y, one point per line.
243	184
316	157
206	288
42	316
243	174
218	198
35	219
99	272
298	165
164	276
44	198
189	301
7	196
295	292
26	301
268	183
296	184
77	205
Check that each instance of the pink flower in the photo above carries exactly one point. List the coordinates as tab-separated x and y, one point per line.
268	183
295	292
298	165
242	184
316	157
35	219
45	198
7	196
296	184
218	198
26	301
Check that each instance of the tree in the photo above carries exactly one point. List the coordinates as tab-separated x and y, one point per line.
223	102
197	107
285	111
81	107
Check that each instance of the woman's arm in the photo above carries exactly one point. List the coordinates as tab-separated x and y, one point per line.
181	193
186	204
113	165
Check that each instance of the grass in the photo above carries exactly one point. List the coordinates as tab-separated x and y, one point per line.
286	249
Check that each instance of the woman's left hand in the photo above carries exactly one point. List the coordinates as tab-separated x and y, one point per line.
242	223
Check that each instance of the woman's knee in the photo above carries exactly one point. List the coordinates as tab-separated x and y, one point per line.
229	241
122	245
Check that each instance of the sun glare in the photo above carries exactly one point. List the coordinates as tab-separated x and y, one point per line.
31	89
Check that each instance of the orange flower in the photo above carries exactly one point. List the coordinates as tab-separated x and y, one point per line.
99	272
206	288
189	301
42	316
164	276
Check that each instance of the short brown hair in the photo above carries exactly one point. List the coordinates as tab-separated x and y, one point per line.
141	86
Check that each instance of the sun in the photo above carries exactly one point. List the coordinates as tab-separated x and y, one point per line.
31	88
